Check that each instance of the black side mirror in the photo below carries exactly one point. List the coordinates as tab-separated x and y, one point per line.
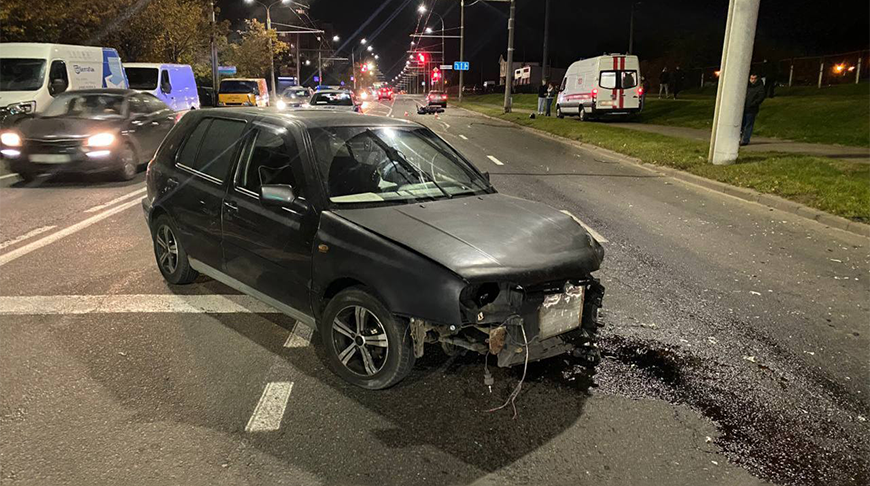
57	86
486	176
277	195
166	88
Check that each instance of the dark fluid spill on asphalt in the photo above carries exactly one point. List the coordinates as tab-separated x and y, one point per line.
773	445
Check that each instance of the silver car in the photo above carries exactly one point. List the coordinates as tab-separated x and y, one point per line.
334	99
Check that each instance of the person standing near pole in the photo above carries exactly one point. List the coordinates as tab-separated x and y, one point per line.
551	93
542	96
754	98
664	81
677	81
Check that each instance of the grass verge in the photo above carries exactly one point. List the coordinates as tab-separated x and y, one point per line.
834	186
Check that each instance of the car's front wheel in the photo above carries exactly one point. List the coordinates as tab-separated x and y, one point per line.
170	254
128	163
364	343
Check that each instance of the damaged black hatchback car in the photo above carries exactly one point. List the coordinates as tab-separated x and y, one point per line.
377	232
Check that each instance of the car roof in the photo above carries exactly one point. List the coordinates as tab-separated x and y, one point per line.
114	91
315	118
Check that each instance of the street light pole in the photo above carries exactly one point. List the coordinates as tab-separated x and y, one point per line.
271	53
298	61
214	57
461	45
631	30
546	63
509	74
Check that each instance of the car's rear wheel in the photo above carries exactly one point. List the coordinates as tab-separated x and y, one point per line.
364	343
171	256
583	115
129	163
559	113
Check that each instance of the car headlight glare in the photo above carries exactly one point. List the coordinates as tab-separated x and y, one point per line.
101	140
281	105
10	139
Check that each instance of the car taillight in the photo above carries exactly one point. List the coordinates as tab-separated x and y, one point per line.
640	91
594	92
443	97
179	115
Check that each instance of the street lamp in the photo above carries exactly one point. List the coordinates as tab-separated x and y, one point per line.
422	9
268	28
370	48
335	38
363	41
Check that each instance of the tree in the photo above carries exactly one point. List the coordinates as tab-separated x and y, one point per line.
251	54
66	21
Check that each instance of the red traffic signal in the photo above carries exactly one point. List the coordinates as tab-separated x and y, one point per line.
436	74
421	57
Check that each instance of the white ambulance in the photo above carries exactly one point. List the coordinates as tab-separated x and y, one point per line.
32	74
603	86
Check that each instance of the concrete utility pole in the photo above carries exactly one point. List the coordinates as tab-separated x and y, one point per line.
733	80
631	29
545	65
298	62
509	73
461	45
271	54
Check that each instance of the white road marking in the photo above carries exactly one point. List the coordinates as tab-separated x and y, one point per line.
20	252
116	200
589	230
29	234
299	337
269	412
495	160
132	303
8	176
463	137
446	125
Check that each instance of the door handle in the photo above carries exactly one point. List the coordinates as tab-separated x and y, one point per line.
172	182
231	206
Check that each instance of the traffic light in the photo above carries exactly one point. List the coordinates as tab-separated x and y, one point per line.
421	57
436	74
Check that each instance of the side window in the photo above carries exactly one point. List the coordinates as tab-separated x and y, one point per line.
269	160
607	80
165	85
215	157
58	80
187	154
564	84
137	105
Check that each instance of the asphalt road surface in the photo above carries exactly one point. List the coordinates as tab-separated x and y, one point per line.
735	343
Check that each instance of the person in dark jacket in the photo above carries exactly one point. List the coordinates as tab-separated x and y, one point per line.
769	72
664	81
677	81
551	94
754	97
542	96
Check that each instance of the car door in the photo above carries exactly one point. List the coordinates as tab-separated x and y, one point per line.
198	185
269	248
162	119
142	126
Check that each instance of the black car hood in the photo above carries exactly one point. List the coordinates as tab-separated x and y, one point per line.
488	238
61	127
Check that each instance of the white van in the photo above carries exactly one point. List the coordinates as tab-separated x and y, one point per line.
173	84
32	74
602	86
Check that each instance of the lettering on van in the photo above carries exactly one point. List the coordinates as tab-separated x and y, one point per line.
83	69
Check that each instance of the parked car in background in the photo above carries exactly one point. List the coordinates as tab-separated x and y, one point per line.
336	100
33	74
294	97
601	87
243	92
207	96
86	131
437	98
173	84
377	232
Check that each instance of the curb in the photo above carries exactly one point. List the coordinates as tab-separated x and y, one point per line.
751	195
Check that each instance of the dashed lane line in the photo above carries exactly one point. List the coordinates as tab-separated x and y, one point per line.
588	229
25	236
495	160
269	412
116	200
299	337
47	240
463	137
8	176
134	303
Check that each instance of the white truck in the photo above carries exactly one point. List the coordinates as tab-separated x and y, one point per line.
603	86
32	74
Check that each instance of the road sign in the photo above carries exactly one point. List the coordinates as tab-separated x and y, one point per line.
226	69
446	67
460	65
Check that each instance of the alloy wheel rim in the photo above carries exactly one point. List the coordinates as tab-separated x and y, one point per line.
127	160
360	341
167	249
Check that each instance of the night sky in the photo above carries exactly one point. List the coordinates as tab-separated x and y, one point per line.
684	31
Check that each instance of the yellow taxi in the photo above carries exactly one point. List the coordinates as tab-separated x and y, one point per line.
243	92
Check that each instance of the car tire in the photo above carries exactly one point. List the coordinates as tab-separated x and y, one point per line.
374	352
129	163
582	114
175	267
559	113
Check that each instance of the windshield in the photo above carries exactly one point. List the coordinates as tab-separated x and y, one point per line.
296	93
391	164
142	78
21	74
92	105
243	87
334	99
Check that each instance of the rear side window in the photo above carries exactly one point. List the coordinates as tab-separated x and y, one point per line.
220	145
618	79
607	80
187	155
